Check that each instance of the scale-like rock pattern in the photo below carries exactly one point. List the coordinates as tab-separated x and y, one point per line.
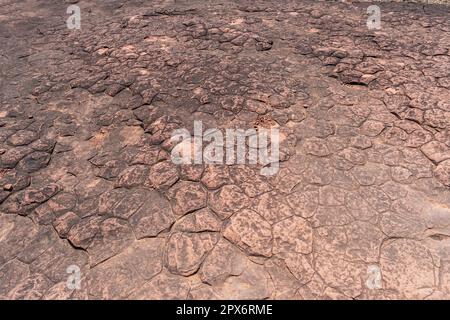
359	209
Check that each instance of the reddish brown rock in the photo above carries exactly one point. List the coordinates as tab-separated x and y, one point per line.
113	236
16	233
64	223
316	147
224	261
163	175
227	200
359	208
191	172
408	268
249	180
22	137
133	176
285	284
198	221
12	273
186	197
59	291
31	288
250	232
118	277
154	216
273	207
41	242
82	233
292	235
215	176
253	282
341	274
372	128
186	251
436	151
304	202
442	172
53	263
164	286
319	172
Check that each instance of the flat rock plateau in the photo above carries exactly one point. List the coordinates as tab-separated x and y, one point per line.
360	206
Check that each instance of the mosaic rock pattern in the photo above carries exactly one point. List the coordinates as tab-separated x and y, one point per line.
360	208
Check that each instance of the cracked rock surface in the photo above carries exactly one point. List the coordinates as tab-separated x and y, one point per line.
360	208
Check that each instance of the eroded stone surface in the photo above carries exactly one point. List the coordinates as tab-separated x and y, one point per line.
154	216
251	232
87	179
407	268
186	251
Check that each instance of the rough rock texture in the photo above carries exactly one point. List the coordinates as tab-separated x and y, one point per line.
360	208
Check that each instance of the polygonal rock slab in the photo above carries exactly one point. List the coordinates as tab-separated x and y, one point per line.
198	221
145	256
43	240
22	137
316	147
249	180
331	216
227	200
118	277
215	176
34	161
121	203
163	175
53	263
153	217
319	172
82	233
186	197
165	286
59	291
370	174
341	274
304	202
285	284
16	233
251	232
357	241
408	268
253	283
10	158
376	198
24	201
62	202
113	236
133	176
30	288
64	223
300	266
436	151
442	172
273	207
224	261
331	196
12	273
186	251
92	187
406	218
293	234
